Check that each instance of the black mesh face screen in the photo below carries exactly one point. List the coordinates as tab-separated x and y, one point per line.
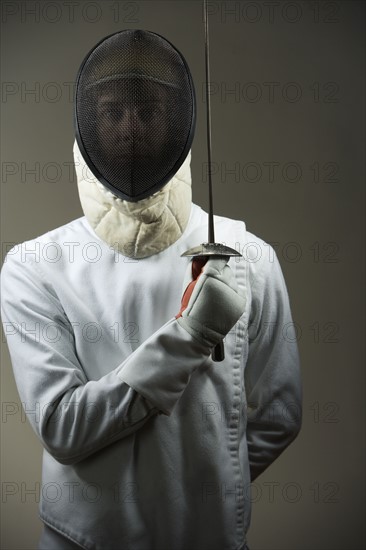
134	112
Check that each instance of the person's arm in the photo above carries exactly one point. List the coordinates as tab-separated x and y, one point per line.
272	372
75	417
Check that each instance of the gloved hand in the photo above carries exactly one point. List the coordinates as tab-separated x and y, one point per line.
212	302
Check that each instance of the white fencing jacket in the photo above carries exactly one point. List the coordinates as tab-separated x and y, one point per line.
148	443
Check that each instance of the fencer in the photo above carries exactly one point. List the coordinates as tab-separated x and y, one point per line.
148	443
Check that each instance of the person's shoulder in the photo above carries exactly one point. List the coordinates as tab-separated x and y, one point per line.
256	250
253	243
257	247
33	249
74	228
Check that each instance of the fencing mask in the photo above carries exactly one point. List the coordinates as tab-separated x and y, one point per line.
135	112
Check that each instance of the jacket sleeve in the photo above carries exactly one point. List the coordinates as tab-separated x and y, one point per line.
272	373
75	417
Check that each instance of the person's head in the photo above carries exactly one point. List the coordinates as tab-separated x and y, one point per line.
135	112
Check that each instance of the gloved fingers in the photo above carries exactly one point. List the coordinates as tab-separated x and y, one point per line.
227	276
194	270
200	264
216	264
219	270
211	267
212	302
222	282
216	268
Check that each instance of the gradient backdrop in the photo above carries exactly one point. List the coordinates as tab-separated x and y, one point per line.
288	126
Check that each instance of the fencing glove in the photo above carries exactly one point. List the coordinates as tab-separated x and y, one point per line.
212	302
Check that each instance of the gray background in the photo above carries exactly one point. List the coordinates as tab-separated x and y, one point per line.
312	210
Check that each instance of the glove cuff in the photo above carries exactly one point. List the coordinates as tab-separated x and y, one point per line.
204	335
